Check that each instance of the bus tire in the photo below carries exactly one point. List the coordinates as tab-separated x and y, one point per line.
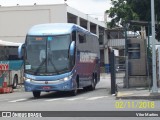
93	84
74	92
91	87
36	94
15	82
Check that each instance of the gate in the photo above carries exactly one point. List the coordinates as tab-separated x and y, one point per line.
118	70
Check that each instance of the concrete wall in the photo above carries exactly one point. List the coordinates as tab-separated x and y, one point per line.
85	16
137	67
16	21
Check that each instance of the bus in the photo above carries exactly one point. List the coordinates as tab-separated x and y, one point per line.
60	57
11	67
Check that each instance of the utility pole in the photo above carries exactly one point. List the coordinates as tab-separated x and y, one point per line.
154	87
126	56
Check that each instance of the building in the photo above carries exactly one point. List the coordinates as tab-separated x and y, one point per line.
15	21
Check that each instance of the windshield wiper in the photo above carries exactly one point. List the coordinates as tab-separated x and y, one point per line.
37	70
49	59
44	60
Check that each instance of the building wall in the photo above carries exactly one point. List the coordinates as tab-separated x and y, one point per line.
16	21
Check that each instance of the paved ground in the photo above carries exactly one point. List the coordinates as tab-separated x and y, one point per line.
122	93
134	92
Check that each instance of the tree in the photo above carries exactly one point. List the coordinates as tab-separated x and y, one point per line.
125	10
120	12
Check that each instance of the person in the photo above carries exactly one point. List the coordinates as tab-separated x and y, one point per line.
42	55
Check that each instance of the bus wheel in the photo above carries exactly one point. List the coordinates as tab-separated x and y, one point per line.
74	92
36	94
15	82
92	86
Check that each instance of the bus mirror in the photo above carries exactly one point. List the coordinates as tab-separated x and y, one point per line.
72	53
72	48
21	51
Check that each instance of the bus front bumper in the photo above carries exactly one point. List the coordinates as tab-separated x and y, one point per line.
58	85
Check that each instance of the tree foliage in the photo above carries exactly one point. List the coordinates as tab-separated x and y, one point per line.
120	12
125	10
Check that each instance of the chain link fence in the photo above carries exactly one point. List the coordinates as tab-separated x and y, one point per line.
120	71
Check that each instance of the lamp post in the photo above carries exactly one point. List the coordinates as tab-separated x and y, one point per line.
154	87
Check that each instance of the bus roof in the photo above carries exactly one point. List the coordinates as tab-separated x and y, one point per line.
56	29
6	43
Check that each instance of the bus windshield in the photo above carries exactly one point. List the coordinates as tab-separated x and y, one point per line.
47	55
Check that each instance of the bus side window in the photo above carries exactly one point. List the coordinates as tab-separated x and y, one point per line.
12	53
2	53
6	52
74	36
82	38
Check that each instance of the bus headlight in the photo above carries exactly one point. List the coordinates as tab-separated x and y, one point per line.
27	79
67	78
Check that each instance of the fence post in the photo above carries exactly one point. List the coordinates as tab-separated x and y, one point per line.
112	70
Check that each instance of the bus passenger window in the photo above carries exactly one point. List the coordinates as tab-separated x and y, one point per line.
74	36
82	38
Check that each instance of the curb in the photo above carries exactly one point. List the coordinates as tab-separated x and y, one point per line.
133	96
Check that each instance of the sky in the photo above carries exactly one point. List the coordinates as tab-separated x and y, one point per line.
94	8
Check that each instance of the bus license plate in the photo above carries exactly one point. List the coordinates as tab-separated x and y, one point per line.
46	87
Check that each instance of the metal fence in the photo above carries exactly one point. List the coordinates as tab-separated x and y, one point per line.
118	70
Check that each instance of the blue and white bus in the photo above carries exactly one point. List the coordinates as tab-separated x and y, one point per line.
60	57
11	67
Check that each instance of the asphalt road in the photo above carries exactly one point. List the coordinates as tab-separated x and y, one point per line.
97	100
60	101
